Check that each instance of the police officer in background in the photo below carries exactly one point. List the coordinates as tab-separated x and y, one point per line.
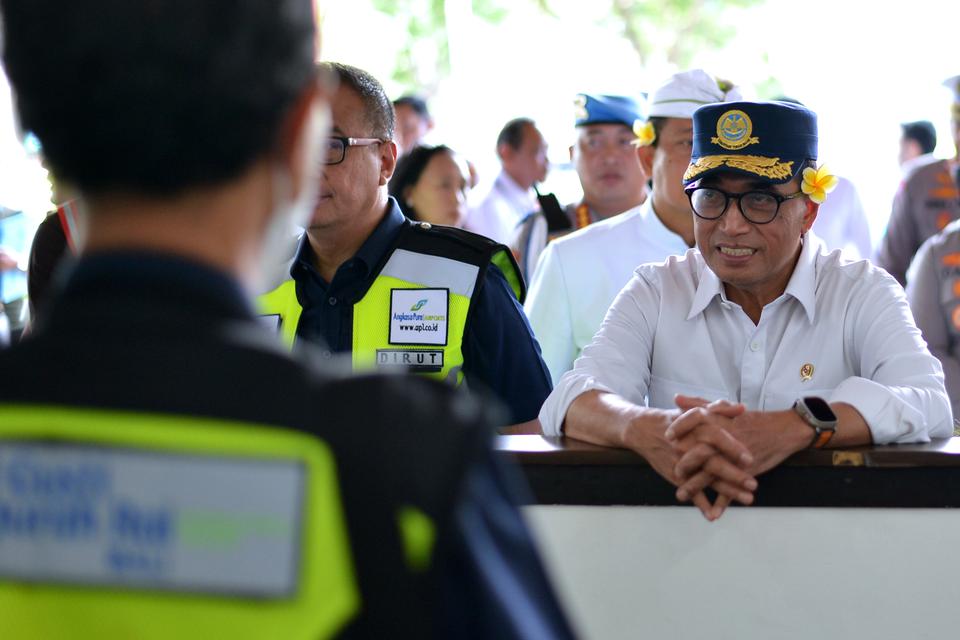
933	289
398	295
927	201
168	470
917	139
608	166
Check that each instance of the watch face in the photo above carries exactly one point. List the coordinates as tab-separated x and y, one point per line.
819	408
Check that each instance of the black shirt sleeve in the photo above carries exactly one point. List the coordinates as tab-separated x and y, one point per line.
500	352
48	248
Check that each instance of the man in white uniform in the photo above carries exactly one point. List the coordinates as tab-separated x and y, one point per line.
579	275
605	158
717	365
523	157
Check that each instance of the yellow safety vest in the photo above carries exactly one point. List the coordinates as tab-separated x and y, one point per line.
415	313
67	599
52	586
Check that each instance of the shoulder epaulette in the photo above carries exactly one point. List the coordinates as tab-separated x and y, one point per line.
449	242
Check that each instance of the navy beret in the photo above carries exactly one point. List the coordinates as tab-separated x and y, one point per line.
605	109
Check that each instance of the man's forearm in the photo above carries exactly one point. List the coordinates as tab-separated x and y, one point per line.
606	419
852	429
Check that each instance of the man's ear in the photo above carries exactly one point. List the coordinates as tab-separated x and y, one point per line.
646	159
388	161
571	153
810	215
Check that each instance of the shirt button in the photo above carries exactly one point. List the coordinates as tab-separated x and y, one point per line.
326	354
754	346
332	300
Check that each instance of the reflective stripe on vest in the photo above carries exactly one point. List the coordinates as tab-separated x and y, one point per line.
375	316
283	304
105	532
508	267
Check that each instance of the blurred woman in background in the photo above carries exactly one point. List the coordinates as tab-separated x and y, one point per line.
431	185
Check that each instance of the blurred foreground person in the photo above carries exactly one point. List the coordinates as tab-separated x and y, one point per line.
167	470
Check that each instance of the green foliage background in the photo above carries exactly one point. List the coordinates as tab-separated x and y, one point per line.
677	29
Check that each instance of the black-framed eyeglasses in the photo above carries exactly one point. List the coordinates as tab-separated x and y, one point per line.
335	147
758	207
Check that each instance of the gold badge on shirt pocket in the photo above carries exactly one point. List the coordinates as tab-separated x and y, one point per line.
806	372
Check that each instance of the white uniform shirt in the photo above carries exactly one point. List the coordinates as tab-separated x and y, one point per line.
501	210
842	222
579	275
846	324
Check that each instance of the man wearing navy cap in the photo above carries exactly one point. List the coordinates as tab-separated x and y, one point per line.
927	201
717	365
606	162
581	274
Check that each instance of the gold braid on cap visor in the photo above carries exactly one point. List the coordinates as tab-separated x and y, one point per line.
770	168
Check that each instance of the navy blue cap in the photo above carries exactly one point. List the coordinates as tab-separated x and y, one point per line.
604	109
768	140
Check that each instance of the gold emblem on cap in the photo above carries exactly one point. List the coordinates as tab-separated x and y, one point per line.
580	107
770	168
733	130
806	372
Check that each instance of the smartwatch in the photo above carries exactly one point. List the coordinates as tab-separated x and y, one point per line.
817	413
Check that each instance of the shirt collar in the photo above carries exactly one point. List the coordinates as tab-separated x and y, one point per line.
654	224
522	198
802	284
158	276
373	248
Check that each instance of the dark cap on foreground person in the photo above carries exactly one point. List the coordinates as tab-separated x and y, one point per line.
767	140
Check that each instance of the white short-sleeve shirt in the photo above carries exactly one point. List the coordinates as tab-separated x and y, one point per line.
842	330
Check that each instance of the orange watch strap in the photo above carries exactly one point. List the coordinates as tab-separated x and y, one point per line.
822	438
